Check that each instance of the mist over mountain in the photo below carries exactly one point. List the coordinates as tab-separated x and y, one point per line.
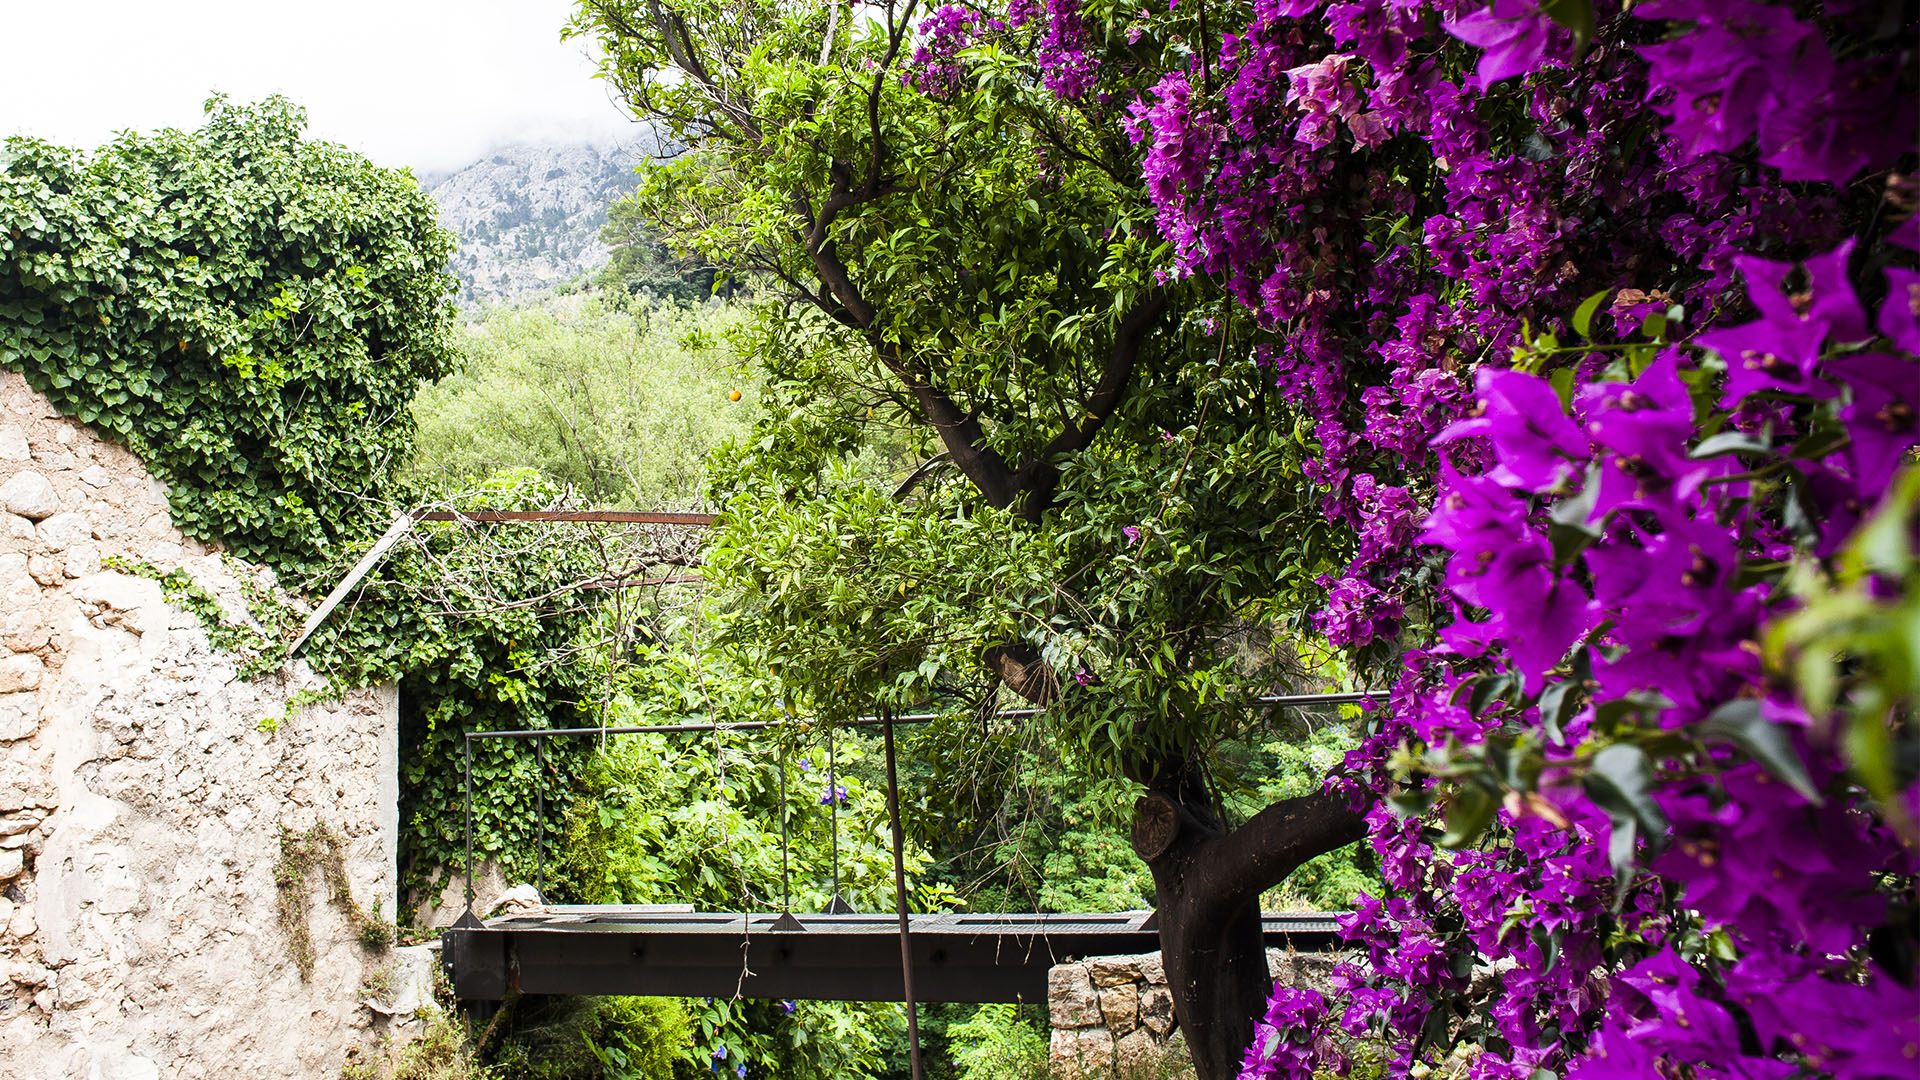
529	216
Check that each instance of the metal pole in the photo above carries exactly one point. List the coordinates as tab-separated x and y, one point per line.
900	902
467	795
786	890
833	815
540	820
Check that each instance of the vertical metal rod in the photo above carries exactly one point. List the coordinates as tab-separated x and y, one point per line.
786	890
833	814
467	794
539	819
900	900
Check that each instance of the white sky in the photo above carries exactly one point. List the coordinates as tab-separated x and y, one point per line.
430	84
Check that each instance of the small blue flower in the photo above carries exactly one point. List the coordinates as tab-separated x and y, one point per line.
788	1005
835	794
741	1072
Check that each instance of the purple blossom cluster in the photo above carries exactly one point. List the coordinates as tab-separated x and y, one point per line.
935	69
1584	520
1069	66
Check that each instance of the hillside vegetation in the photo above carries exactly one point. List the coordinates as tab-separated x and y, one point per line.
620	407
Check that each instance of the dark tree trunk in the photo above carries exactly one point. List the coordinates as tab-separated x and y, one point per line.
1207	885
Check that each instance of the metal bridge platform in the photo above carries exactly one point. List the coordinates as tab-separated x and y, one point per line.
649	952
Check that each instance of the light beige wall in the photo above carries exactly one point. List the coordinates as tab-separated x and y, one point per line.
141	800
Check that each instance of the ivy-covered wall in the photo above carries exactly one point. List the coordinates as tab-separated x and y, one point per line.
250	314
145	781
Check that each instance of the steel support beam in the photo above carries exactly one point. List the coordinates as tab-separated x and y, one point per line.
961	958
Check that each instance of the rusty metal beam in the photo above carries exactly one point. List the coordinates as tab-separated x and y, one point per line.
623	517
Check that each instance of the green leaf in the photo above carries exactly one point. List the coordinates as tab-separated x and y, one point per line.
1729	442
1469	810
1740	723
1556	701
1488	689
1869	748
1573	512
1582	315
1619	781
1548	944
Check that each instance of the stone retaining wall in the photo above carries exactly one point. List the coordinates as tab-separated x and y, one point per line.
142	797
1113	1016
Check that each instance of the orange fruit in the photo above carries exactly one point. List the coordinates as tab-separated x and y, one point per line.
735	396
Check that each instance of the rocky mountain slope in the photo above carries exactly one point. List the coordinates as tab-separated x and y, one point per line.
529	217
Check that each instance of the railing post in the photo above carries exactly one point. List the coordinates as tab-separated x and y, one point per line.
900	899
539	819
786	888
467	796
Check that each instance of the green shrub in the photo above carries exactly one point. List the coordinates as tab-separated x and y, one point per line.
995	1044
248	312
594	1038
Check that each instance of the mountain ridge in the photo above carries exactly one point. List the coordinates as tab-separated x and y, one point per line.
528	215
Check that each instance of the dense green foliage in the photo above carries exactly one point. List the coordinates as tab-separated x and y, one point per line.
641	267
993	1044
593	1038
969	276
248	312
621	408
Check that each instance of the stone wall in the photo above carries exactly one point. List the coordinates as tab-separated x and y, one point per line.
1113	1016
142	797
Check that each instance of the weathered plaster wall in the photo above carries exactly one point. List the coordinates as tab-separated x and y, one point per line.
141	802
1113	1017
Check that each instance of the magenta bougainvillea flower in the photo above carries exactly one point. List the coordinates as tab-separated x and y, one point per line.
1537	447
1512	36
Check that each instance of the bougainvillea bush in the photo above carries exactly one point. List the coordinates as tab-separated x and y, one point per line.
1609	311
1603	322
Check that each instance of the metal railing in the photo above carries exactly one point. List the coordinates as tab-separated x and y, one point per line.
539	736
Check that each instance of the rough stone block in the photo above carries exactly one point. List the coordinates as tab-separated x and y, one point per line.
1114	970
164	554
1120	1008
1137	1054
20	671
19	719
135	603
1071	1000
13	444
25	630
30	495
18	528
45	569
1156	1010
1153	969
62	531
82	560
12	862
1280	967
1080	1055
96	476
1314	971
